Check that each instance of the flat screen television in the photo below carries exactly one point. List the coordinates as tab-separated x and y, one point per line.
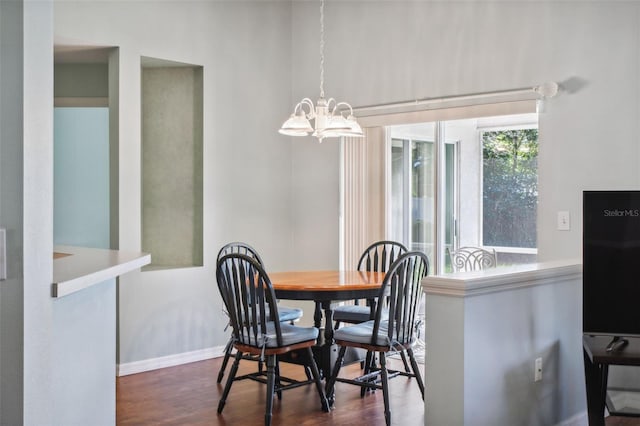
611	263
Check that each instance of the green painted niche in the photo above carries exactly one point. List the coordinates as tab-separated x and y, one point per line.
172	168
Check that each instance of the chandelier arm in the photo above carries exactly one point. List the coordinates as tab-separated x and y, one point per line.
329	102
339	104
309	103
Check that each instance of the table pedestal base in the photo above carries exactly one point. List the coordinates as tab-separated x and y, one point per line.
325	357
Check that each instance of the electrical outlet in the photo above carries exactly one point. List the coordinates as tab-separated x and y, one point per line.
537	376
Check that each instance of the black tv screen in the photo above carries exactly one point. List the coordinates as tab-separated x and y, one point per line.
611	263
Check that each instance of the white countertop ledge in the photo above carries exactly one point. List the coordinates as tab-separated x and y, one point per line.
491	280
76	268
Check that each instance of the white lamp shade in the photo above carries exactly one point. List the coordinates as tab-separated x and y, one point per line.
296	125
355	129
337	126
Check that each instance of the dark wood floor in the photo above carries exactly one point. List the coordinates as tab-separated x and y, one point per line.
188	395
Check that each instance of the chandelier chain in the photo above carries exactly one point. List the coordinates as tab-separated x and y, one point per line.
322	49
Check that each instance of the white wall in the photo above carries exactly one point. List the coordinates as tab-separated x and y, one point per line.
244	48
11	294
501	354
38	394
83	357
27	310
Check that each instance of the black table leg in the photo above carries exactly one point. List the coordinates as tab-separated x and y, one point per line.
328	323
325	351
596	383
317	316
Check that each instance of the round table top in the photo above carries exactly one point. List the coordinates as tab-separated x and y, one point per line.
326	285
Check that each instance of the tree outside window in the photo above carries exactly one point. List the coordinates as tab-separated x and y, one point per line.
510	187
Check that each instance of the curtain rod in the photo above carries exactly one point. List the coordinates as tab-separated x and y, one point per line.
543	91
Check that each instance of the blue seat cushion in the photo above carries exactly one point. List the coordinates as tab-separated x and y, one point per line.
354	313
287	314
363	333
291	334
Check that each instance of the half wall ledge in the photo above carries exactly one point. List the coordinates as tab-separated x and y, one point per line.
77	268
504	278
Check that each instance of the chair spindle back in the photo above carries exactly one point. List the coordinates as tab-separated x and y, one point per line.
402	290
249	297
472	259
379	256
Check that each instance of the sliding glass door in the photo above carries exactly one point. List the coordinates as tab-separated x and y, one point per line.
414	199
435	185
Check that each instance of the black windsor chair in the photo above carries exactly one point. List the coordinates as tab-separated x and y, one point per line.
403	290
250	300
287	314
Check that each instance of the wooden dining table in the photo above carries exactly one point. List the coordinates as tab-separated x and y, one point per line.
325	287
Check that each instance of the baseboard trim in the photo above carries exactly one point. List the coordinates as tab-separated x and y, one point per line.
580	419
168	361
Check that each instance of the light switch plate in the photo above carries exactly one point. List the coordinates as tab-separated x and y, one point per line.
564	221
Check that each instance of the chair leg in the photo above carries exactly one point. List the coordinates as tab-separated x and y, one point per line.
407	369
227	355
416	371
385	387
316	379
230	379
368	362
367	366
329	390
278	383
271	379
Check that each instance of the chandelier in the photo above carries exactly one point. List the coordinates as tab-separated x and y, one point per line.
327	114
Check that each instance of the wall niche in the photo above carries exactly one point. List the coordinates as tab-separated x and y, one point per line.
172	168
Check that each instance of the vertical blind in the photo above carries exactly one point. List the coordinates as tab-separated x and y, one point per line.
363	193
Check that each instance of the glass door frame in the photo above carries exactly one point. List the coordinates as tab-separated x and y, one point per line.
440	191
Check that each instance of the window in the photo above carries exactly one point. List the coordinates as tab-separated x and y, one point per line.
477	195
510	192
417	178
